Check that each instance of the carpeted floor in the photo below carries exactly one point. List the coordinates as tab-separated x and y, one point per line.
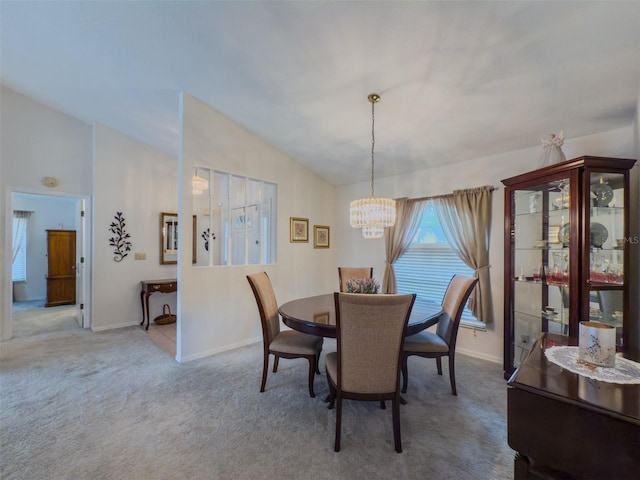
32	318
113	405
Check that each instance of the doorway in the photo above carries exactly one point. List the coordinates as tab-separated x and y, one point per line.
61	268
51	213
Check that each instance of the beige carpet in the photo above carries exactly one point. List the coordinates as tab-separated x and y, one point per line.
33	318
78	405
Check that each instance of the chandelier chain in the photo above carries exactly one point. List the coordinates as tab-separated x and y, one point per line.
373	143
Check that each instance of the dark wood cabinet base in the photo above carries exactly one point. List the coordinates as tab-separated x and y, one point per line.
561	440
523	470
560	432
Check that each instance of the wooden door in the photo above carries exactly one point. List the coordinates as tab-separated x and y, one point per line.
61	274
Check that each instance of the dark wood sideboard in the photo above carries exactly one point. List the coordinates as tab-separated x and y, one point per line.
566	426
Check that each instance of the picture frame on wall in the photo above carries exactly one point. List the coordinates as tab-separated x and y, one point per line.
299	229
320	236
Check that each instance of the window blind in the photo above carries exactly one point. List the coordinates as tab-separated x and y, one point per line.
427	269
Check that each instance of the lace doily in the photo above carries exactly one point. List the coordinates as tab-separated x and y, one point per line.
624	371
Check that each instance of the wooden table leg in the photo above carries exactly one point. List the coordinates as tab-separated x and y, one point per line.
146	299
142	305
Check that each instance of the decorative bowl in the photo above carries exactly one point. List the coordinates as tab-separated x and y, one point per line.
599	234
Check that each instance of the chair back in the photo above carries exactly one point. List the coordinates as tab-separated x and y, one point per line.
347	273
370	336
267	305
455	298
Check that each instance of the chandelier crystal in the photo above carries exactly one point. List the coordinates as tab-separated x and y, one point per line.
372	214
199	184
372	232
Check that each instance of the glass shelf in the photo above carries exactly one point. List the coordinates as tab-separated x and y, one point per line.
597	211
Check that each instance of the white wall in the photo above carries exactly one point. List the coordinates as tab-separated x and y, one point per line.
217	310
37	141
444	179
139	181
48	213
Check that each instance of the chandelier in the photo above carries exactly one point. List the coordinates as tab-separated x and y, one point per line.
199	184
372	214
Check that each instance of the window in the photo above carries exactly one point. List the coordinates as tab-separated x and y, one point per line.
429	263
236	220
19	265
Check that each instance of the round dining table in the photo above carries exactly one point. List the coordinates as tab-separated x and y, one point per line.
317	315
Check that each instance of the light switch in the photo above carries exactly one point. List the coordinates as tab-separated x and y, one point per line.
140	256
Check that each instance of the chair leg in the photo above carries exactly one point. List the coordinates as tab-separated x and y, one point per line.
383	405
312	372
338	423
395	406
405	373
452	374
265	369
332	393
318	364
275	363
439	365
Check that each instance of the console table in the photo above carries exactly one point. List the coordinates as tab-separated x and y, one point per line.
149	287
563	425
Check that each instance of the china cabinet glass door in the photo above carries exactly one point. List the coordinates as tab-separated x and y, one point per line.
606	249
541	247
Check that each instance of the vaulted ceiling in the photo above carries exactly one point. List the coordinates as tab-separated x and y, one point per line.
458	80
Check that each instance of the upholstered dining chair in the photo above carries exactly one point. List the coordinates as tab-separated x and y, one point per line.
442	343
370	333
347	273
286	343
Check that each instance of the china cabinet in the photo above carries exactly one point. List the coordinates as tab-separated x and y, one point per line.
567	242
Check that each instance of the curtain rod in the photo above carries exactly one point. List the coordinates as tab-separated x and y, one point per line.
491	189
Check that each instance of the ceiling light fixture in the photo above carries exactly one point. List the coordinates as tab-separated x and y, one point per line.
199	184
372	214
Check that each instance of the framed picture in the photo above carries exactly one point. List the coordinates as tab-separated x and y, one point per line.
320	236
299	229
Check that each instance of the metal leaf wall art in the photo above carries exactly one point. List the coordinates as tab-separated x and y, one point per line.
120	239
206	235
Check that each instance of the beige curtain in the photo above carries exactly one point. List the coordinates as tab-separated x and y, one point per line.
21	219
465	217
398	237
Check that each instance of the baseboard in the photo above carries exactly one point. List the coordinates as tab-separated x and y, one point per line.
474	354
113	326
215	351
